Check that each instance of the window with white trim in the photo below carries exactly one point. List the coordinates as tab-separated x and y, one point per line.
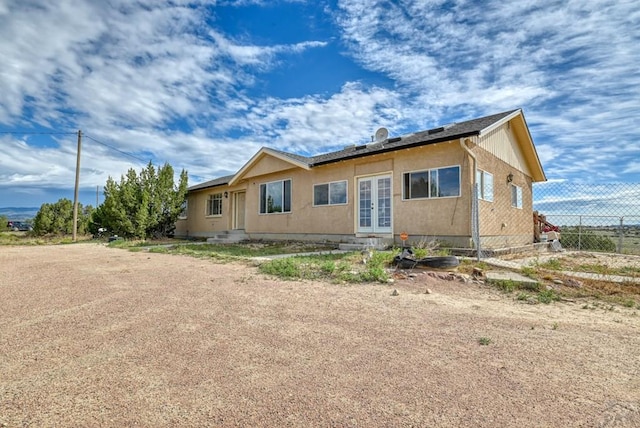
516	196
432	183
485	185
334	193
214	204
275	197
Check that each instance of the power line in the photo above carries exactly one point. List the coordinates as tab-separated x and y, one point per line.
74	133
37	133
113	148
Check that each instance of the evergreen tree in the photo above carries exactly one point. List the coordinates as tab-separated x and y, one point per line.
144	205
57	218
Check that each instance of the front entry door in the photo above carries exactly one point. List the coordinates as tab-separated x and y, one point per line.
374	204
238	208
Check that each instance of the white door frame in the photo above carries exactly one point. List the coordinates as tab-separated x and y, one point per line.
374	204
239	209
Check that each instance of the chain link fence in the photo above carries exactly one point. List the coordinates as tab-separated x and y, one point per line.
591	217
572	216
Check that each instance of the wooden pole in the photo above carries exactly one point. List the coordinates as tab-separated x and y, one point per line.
75	193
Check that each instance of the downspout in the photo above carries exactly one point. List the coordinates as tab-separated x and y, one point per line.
475	224
463	144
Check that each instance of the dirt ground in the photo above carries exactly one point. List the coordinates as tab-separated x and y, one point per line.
96	336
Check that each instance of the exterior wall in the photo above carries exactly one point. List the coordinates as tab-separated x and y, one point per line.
444	218
304	218
197	223
502	225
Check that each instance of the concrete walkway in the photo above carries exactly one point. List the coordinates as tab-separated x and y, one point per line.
517	265
312	253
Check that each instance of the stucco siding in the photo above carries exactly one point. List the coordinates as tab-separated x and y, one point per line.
304	217
436	216
267	165
502	225
197	222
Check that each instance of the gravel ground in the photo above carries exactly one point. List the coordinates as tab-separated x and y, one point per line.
95	336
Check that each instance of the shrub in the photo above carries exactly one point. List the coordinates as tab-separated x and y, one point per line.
584	239
506	285
484	341
548	296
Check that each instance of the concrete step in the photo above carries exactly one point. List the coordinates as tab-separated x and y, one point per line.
228	237
359	244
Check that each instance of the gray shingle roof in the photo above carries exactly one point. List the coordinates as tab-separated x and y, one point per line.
212	183
431	136
298	158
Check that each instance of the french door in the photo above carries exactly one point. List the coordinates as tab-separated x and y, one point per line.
374	204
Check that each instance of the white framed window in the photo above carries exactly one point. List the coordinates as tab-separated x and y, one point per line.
275	197
214	204
432	183
485	185
185	210
516	196
334	193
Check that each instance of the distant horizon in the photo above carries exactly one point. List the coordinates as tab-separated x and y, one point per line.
569	203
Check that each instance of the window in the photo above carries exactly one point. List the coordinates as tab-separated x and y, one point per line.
275	197
183	213
484	181
433	183
516	196
214	204
334	193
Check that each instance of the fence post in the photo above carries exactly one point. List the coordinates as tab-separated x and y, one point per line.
475	221
620	235
580	233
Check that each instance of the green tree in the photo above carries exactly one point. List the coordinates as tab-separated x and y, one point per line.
142	205
3	222
57	218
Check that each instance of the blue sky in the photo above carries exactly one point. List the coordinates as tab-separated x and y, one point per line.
204	84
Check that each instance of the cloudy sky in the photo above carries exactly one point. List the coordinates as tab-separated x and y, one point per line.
204	84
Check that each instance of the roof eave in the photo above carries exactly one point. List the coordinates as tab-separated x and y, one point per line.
537	173
196	188
264	151
499	123
397	148
203	186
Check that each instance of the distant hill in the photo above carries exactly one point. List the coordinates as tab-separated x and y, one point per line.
19	213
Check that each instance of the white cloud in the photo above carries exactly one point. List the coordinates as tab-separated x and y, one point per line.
161	79
571	65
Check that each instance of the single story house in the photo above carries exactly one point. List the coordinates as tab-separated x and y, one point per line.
421	185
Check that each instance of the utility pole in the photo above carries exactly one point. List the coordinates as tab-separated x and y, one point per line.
75	195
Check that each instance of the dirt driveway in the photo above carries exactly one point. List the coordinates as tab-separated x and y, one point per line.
94	336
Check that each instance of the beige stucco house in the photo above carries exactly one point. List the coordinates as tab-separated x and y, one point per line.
420	184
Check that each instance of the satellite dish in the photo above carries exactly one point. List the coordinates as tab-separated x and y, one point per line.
381	135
